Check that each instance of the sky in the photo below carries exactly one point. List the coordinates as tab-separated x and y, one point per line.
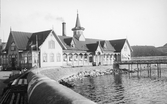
142	22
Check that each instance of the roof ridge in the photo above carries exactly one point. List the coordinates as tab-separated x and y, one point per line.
118	39
21	32
42	31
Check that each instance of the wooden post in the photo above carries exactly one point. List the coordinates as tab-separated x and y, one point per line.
72	59
128	68
67	59
150	70
78	59
159	70
140	69
137	70
83	59
87	59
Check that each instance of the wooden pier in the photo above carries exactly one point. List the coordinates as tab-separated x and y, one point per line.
139	63
142	62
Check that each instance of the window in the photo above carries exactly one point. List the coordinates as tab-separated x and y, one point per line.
35	58
25	59
51	44
51	57
58	57
64	57
13	47
29	58
125	47
44	57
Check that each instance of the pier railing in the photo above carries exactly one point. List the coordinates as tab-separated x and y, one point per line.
142	62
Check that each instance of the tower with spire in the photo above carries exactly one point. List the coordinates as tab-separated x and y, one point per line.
78	30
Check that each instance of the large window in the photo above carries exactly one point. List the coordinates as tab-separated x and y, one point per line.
51	44
29	58
51	57
58	57
44	57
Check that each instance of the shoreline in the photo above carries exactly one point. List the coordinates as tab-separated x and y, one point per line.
57	73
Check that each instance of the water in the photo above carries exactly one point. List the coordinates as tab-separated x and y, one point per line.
125	88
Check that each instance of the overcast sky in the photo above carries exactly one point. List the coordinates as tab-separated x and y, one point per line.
142	22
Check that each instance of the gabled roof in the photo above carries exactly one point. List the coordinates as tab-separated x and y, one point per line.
39	37
20	39
108	47
118	44
79	45
92	47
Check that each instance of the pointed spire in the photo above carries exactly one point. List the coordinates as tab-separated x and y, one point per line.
77	21
78	25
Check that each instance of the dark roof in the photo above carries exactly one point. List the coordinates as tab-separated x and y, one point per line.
89	44
41	36
118	44
79	45
90	41
108	48
20	39
92	47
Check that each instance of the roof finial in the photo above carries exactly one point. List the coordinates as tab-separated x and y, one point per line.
52	27
10	28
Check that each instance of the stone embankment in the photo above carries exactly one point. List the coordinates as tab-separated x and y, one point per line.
80	75
59	73
43	86
43	90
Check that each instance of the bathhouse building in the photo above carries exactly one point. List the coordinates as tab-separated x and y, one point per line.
46	49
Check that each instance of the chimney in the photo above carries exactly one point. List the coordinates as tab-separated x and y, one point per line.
64	29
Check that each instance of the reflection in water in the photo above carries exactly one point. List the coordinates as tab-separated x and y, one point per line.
122	89
119	89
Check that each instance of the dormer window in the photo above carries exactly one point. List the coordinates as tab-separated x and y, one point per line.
13	47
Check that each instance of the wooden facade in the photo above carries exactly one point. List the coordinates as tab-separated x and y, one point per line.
46	49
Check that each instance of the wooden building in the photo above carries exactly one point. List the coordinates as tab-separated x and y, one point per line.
46	48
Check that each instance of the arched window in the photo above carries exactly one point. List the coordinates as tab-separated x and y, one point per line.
44	57
51	57
58	57
51	44
13	47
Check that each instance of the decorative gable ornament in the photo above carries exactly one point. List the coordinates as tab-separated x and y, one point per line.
72	44
105	45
